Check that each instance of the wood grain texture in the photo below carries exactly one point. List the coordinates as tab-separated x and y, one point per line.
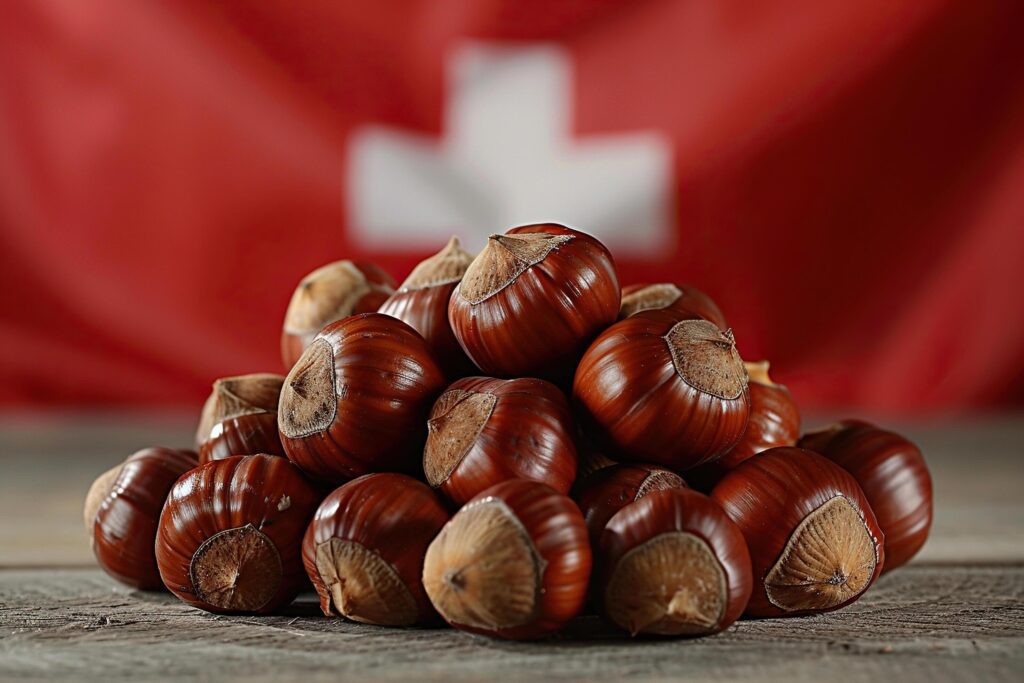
949	616
922	623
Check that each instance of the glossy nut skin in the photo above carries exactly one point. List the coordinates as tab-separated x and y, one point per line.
768	497
630	396
123	516
539	323
264	491
684	298
240	417
774	421
243	435
894	476
422	303
591	457
607	490
392	515
380	285
385	381
527	435
682	509
426	311
556	531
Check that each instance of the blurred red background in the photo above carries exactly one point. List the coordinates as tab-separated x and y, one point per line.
845	179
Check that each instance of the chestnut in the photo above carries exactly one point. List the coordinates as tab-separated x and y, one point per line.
513	563
532	300
774	421
673	564
591	458
364	549
483	431
123	507
814	542
606	491
422	303
894	476
331	292
664	387
685	298
357	399
230	534
240	418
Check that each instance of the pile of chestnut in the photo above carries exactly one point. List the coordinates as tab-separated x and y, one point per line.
504	441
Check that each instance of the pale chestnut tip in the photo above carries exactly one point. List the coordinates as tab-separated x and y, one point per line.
828	560
329	293
496	268
233	397
757	371
444	267
672	585
97	493
705	357
483	569
363	586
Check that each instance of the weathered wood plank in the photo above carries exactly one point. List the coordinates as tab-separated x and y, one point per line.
48	464
920	623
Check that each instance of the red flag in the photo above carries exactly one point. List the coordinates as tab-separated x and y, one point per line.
845	179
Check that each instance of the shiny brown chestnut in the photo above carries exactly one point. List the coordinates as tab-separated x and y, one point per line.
814	542
685	298
894	476
533	299
240	417
483	431
665	387
673	564
331	292
774	421
364	549
607	490
591	458
122	510
230	535
422	303
357	399
513	563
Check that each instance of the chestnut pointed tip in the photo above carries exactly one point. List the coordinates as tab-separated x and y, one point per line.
757	371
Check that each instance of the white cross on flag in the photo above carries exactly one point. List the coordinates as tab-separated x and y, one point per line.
507	157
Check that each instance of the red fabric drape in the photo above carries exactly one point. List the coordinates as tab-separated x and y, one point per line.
847	179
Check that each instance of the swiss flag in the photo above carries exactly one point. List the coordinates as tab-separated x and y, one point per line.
845	179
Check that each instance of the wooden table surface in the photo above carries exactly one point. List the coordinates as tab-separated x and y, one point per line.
956	613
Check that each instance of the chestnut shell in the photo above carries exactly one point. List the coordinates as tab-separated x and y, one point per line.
384	382
681	509
690	300
263	492
895	479
426	311
382	285
607	490
539	323
631	396
124	527
392	515
770	495
556	530
243	435
774	421
528	434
